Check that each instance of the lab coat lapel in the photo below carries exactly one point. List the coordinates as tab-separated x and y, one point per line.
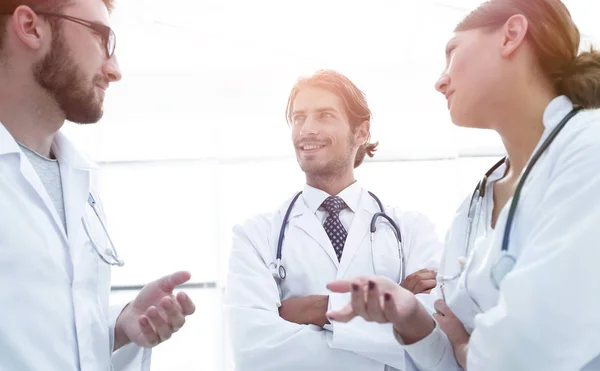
32	177
75	172
357	234
359	230
305	219
76	187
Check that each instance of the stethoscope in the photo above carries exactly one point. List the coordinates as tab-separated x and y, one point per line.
506	261
111	258
278	270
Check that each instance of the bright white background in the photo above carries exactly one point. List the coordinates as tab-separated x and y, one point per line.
194	138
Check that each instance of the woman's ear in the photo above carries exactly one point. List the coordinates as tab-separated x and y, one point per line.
513	34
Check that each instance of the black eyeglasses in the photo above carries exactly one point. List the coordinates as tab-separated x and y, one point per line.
106	33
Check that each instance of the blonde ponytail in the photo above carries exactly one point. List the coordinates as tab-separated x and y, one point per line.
580	81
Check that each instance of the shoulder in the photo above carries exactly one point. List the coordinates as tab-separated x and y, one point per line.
580	135
410	220
575	153
261	226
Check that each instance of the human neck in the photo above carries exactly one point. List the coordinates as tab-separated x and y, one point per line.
29	114
332	184
521	127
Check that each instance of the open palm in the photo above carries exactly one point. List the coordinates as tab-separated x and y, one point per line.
376	299
155	314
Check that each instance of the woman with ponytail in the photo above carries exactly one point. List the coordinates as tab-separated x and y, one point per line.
518	287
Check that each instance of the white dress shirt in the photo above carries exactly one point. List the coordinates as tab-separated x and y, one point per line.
315	197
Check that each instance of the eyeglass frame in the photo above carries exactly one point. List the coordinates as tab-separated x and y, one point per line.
103	30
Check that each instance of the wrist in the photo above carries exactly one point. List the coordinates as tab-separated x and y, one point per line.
416	326
120	337
319	311
460	353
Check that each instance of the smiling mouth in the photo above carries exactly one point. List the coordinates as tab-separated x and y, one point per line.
310	148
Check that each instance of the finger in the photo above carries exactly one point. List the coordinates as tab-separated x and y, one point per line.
442	321
390	309
439	318
424	285
427	274
374	304
441	307
344	286
174	313
409	282
359	304
426	271
187	305
160	324
343	315
426	292
168	283
148	337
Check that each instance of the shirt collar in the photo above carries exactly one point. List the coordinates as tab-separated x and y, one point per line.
66	152
314	197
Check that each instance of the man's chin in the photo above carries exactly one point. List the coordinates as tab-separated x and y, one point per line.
90	116
313	168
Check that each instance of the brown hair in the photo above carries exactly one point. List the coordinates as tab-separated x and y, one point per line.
555	40
355	103
9	6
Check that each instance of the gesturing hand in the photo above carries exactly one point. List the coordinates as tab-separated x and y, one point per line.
155	314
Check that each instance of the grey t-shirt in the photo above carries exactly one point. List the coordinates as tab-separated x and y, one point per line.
49	172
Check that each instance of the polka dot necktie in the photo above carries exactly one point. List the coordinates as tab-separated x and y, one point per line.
333	226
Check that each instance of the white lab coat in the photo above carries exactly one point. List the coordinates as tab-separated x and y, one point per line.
546	314
54	288
263	341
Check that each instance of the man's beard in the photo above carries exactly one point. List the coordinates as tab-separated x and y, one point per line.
59	74
333	167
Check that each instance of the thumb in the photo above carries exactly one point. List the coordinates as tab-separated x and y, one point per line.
343	315
168	283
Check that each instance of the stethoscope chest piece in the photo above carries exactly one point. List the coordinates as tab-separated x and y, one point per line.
503	266
282	272
278	270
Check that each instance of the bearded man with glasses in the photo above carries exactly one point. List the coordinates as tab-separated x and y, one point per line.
57	59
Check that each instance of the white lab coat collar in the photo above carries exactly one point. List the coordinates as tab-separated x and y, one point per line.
556	110
63	149
8	144
314	197
66	152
